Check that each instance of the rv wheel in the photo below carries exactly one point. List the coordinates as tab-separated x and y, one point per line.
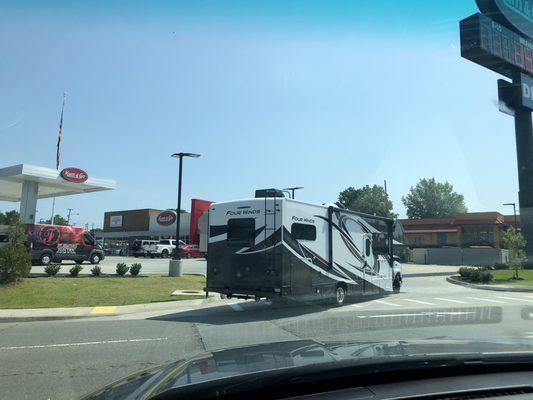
340	295
396	284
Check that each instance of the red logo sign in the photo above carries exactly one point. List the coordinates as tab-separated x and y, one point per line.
166	218
75	175
49	235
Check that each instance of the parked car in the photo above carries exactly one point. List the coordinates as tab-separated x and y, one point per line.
190	251
143	247
165	247
53	243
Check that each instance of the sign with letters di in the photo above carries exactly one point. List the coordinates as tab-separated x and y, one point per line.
526	89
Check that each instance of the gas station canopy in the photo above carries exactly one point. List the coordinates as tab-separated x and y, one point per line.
27	183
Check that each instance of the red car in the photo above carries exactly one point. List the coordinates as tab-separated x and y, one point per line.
189	251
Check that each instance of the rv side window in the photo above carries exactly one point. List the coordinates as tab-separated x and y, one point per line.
241	231
303	231
367	247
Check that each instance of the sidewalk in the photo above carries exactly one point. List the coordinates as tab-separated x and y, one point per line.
41	314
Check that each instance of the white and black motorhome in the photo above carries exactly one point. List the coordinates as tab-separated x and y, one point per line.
271	246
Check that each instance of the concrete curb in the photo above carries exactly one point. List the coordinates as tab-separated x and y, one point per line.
47	314
500	288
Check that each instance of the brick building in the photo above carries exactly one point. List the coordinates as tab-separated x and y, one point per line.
461	230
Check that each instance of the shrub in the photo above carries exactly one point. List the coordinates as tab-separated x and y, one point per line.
484	276
52	269
135	269
475	274
122	269
96	270
75	270
499	266
465	272
15	258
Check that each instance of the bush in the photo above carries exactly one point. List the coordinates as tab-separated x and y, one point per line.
527	265
122	269
52	269
96	270
75	270
135	269
500	266
15	258
484	276
475	274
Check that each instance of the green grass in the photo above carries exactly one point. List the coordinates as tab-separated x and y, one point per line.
92	291
504	277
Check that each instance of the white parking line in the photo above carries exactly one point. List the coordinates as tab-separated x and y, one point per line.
45	346
236	307
356	305
386	303
450	300
420	302
489	300
515	298
430	313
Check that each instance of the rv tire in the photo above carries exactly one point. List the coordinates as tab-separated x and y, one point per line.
340	295
397	284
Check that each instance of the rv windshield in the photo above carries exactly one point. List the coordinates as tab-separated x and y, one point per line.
221	194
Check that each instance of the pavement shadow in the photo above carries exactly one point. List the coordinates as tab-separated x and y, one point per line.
227	314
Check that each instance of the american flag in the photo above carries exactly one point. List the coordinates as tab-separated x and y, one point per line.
58	152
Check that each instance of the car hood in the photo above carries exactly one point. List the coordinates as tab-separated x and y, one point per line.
240	361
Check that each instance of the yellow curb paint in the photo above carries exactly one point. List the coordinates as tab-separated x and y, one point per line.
103	310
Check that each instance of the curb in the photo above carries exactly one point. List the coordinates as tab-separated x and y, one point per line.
455	281
51	314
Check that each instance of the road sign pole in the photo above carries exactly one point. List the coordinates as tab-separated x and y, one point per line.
524	155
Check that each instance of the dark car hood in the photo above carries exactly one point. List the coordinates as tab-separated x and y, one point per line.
292	354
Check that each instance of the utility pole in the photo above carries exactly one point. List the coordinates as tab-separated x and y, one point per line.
68	215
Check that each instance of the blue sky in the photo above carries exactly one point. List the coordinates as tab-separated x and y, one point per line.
320	94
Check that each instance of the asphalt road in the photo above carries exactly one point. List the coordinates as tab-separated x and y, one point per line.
64	359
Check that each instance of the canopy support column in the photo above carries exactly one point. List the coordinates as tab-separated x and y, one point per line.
28	201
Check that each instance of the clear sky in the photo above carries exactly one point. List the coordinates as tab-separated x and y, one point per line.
320	94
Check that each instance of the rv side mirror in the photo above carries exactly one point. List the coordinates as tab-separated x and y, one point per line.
380	243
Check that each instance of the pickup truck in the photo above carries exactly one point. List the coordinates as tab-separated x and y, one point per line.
165	247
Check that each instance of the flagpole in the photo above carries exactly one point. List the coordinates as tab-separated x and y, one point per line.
58	153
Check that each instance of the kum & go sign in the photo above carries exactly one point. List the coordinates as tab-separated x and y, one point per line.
74	175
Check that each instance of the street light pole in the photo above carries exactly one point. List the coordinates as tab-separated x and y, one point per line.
514	212
178	213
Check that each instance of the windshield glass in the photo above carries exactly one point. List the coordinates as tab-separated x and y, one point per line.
294	182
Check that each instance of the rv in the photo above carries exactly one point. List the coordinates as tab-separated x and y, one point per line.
279	248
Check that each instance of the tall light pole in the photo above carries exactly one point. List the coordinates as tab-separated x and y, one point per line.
293	189
178	211
514	212
68	215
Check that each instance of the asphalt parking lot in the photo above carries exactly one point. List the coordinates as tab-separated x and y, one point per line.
150	266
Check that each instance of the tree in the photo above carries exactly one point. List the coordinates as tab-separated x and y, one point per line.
15	258
58	220
9	217
368	199
432	199
515	243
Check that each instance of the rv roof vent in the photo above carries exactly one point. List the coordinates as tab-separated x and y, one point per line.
269	193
